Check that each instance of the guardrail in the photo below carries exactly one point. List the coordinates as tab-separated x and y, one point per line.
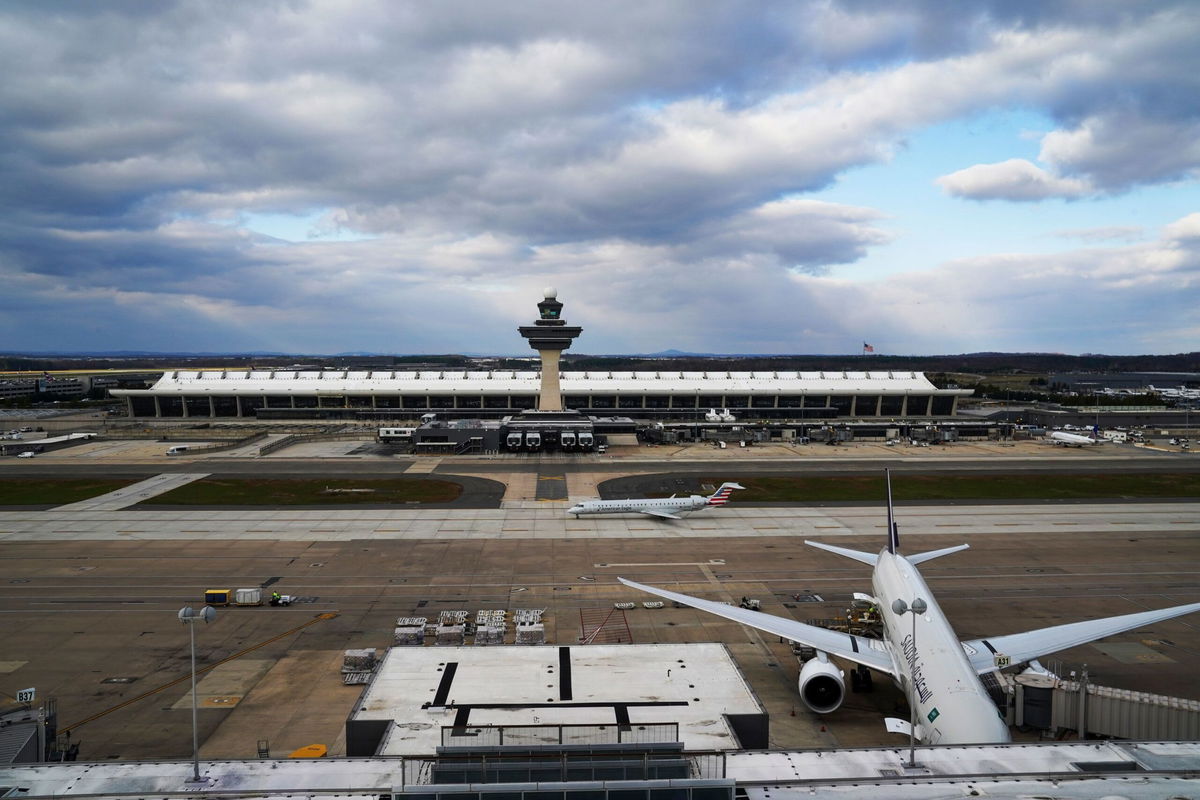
216	448
301	438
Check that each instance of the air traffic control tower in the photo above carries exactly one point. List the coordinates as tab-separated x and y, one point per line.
549	335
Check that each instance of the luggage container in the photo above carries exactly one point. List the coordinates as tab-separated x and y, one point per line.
247	597
217	597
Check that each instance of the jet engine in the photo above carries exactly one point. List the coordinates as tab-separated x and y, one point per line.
821	685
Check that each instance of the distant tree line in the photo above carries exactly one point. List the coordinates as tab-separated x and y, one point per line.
978	363
1057	393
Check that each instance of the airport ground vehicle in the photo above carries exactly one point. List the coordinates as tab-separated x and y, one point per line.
396	434
244	597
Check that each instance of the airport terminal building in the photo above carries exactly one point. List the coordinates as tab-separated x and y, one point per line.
283	394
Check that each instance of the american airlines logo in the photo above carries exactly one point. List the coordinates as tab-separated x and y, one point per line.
914	668
720	498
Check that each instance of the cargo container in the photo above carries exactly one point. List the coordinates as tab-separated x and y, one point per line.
247	597
217	597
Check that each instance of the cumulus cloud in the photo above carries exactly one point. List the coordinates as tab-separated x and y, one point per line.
1060	302
482	148
1015	179
1118	152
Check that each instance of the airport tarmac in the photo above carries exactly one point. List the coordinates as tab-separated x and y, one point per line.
89	596
92	622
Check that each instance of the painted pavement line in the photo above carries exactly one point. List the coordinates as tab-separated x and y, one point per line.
135	493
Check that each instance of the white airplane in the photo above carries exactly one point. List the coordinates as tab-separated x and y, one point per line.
663	507
1070	439
952	706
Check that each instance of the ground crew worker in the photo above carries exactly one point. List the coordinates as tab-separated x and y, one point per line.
275	598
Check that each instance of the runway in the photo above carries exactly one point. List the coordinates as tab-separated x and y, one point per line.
548	520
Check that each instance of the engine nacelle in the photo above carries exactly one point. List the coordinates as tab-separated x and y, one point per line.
821	685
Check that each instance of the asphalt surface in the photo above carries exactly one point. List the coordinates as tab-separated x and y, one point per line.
93	623
1139	461
88	601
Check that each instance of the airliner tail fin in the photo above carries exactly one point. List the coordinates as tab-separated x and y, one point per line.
893	544
721	496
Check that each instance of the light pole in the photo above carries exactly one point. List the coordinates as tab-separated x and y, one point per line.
917	608
189	616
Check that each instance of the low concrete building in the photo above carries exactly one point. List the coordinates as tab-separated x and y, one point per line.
425	698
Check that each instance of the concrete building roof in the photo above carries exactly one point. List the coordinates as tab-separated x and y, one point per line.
1150	770
693	685
263	382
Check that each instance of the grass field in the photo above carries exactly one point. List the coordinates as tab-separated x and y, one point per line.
965	487
305	492
54	492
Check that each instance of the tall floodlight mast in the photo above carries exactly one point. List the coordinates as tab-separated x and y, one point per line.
549	335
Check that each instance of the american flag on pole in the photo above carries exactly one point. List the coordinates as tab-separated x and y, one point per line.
868	348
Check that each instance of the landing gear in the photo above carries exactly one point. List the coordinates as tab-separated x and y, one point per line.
860	679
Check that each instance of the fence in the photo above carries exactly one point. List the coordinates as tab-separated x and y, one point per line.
541	735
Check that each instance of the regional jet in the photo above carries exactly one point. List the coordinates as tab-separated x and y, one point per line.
662	507
920	651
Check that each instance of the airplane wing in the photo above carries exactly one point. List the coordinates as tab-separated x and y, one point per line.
1021	647
869	652
659	514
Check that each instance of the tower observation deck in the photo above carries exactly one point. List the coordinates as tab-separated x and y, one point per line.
549	335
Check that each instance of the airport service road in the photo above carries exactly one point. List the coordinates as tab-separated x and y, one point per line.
542	520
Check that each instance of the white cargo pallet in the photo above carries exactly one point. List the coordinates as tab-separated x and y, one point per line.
531	633
492	618
452	635
409	636
489	635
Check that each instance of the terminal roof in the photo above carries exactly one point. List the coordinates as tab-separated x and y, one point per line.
282	382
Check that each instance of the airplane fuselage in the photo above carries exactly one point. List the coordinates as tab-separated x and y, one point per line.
1071	439
952	707
669	505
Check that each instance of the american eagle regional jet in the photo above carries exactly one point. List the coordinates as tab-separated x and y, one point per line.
952	705
663	507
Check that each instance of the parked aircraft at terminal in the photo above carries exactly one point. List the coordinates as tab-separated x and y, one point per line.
664	507
1064	439
952	706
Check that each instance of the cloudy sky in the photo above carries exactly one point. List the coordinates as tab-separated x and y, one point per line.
791	177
